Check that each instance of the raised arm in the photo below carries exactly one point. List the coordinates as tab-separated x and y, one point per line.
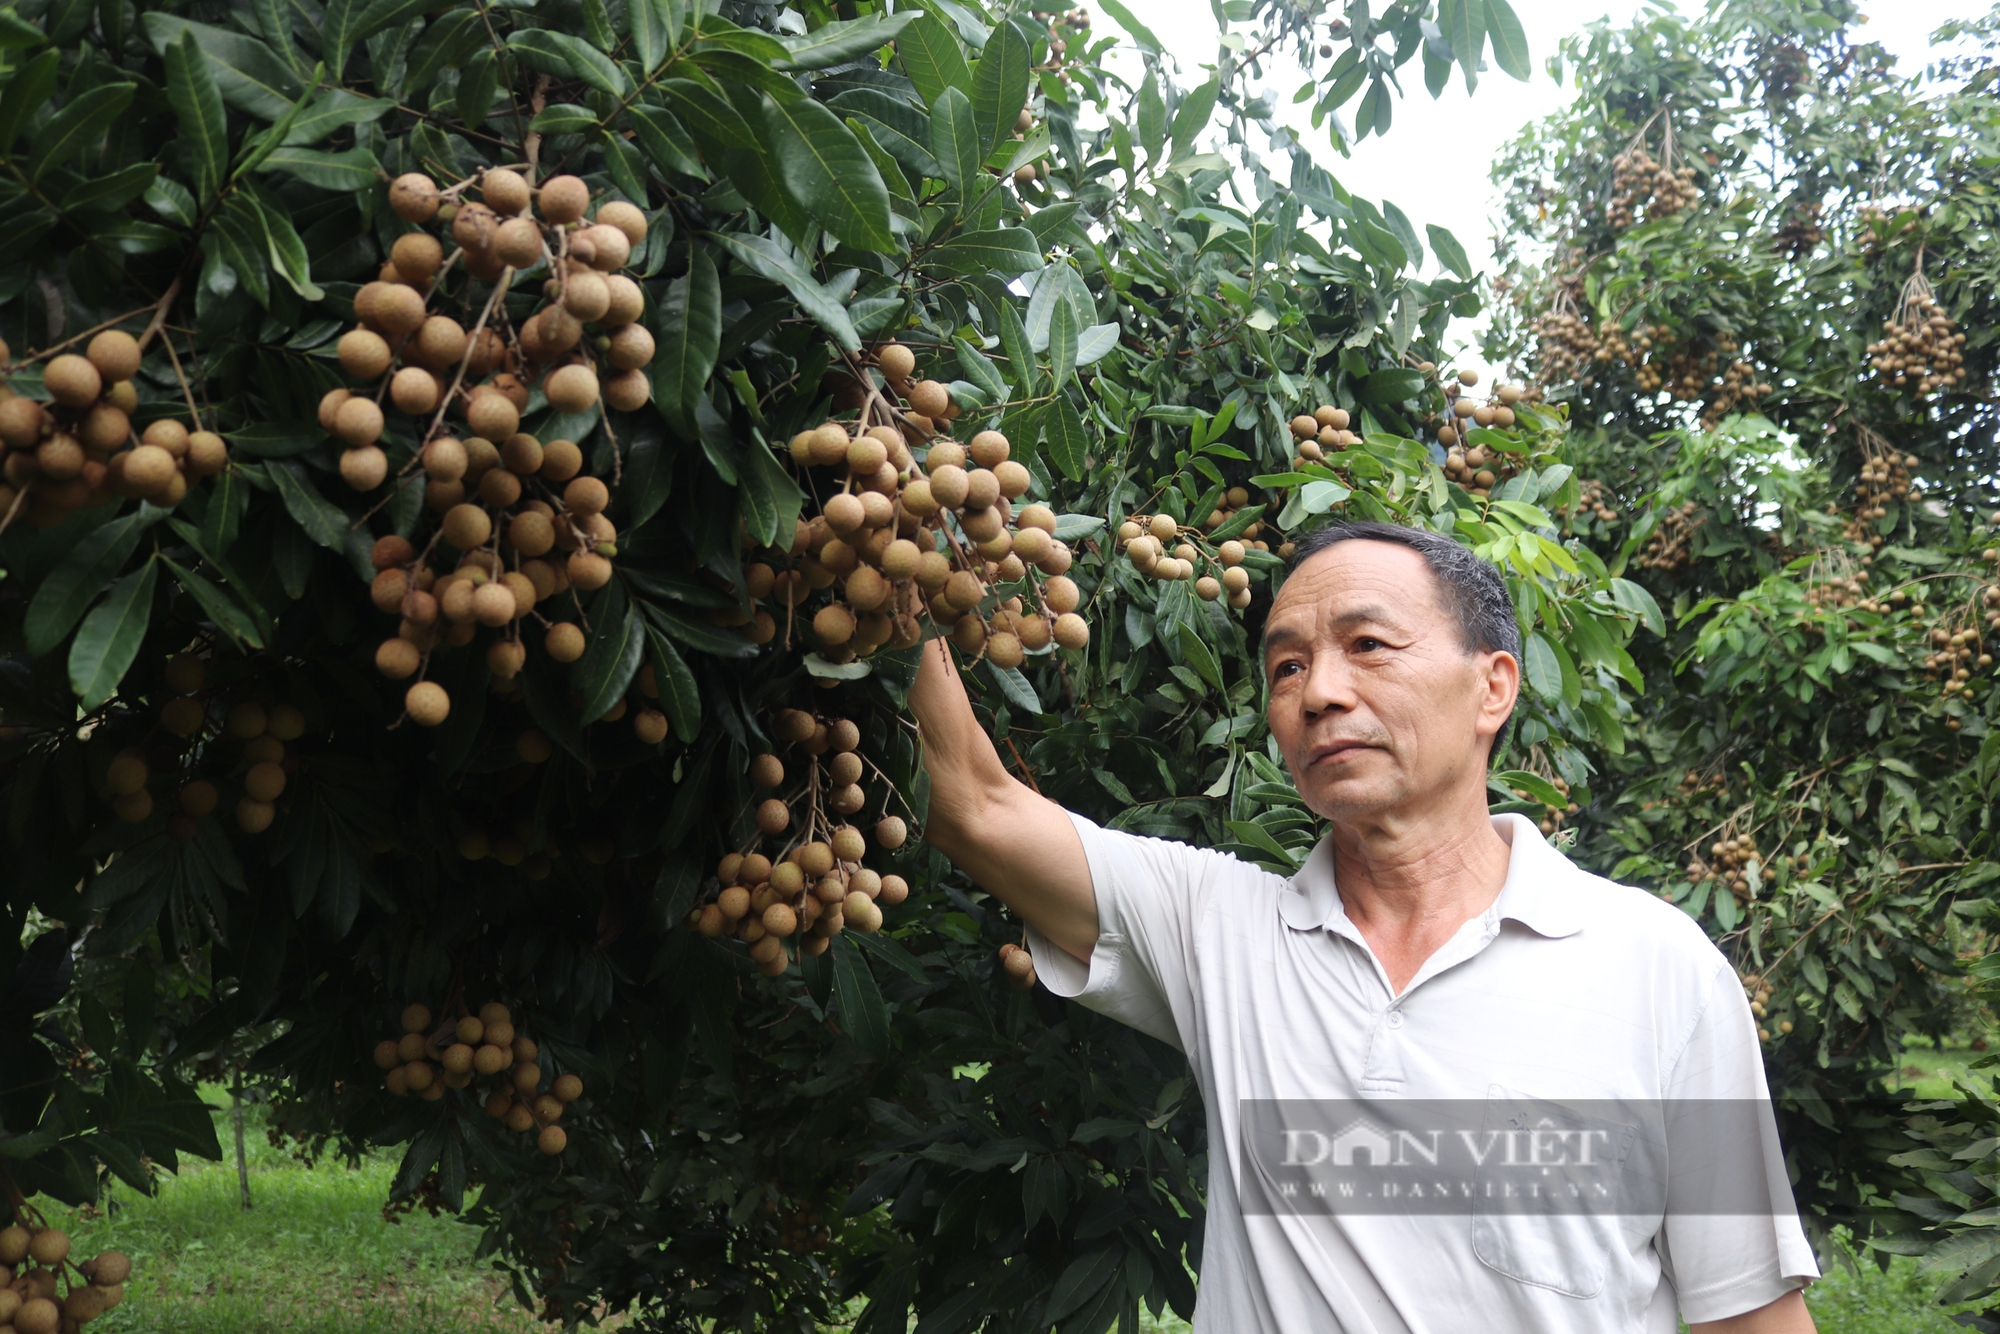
1019	846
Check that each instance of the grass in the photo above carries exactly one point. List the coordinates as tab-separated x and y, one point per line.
315	1255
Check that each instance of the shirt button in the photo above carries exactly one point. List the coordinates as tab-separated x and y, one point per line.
1395	1018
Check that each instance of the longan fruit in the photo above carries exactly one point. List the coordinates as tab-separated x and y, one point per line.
928	398
398	659
414	197
627	218
589	571
491	414
14	1244
897	362
363	353
72	381
586	495
629	390
386	1054
571	389
562	199
21	422
552	1141
567	1088
845	768
198	798
650	726
504	191
208	454
264	782
603	247
1072	631
254	817
561	460
860	912
527	1075
38	1315
773	816
564	642
467	527
183	717
427	703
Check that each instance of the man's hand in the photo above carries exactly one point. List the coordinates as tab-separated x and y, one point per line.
1019	846
1787	1315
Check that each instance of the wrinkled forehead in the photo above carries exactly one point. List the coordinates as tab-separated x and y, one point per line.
1359	579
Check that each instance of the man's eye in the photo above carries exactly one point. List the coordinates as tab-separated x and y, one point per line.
1285	669
1367	645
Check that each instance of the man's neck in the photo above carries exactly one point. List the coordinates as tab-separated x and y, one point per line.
1408	885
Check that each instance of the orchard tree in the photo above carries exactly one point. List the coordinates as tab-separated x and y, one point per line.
475	484
1757	267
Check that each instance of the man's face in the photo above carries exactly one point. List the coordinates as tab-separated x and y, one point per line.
1377	706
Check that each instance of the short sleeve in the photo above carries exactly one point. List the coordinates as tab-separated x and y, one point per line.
1150	897
1728	1262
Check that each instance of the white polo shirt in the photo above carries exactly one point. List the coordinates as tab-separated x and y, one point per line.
1567	987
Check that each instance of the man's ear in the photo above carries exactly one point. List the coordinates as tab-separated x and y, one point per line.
1501	681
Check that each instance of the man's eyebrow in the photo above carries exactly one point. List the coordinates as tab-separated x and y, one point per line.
1285	636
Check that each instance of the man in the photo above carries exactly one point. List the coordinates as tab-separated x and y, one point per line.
1425	951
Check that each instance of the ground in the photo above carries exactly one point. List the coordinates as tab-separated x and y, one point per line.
315	1256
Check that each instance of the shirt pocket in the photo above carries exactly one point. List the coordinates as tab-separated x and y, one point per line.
1551	1194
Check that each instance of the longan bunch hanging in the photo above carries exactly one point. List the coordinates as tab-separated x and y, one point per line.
1217	568
435	1055
1552	816
1885	479
1667	548
1640	183
1730	860
803	874
1325	431
1920	347
77	449
1958	649
240	746
42	1291
509	841
1566	346
1062	26
1763	999
1594	499
1018	967
1477	468
522	519
901	539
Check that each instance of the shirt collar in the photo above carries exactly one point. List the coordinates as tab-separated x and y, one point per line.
1541	890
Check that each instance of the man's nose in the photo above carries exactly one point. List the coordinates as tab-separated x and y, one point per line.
1329	685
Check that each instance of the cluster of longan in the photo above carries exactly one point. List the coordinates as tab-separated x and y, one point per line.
1594	498
512	842
1801	233
1884	480
1477	468
1955	654
1233	500
1566	347
903	538
1326	430
816	885
498	578
432	355
1667	549
1552	816
431	1057
1018	966
1758	989
1920	349
1030	173
1217	570
801	1229
1730	860
260	769
36	1266
1840	591
77	450
1070	21
1639	183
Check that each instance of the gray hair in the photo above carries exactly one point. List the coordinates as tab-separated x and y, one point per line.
1470	590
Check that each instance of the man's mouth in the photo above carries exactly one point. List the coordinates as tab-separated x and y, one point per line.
1334	752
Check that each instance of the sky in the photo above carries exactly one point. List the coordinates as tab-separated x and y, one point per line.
1434	162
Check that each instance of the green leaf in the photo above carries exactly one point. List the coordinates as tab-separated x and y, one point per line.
1200	657
680	697
930	55
567	56
655	28
28	89
1019	691
1464	24
318	518
1084	1278
780	266
617	643
1516	781
1063	431
564	118
663	138
16	33
1150	122
1635	599
857	999
1192	116
382	15
843	40
901	129
78	126
110	637
979	369
68	590
338	20
827	170
1543	671
955	143
197	104
770	499
231	619
250	76
1129	21
1020	356
700	635
1000	85
282	244
1005	250
733	149
346	173
1510	43
1062	344
1449	252
688	332
1394	385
